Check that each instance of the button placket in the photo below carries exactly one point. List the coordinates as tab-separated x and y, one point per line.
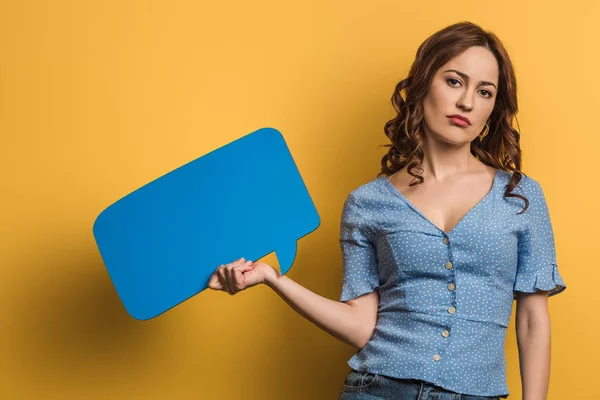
445	333
451	309
451	285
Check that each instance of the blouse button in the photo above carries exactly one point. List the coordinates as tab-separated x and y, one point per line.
436	357
451	310
451	286
446	240
448	265
445	333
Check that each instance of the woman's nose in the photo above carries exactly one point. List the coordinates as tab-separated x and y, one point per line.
466	106
466	100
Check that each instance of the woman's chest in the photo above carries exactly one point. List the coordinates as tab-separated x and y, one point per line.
483	244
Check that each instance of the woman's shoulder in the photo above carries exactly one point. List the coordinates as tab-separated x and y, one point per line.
369	193
526	184
529	188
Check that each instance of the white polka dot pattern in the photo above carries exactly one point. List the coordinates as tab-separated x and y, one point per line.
445	298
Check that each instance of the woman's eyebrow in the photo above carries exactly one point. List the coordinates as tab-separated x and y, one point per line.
466	77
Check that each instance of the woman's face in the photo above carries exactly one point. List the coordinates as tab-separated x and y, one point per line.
469	90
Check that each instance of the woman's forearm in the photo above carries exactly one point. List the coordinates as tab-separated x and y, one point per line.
341	320
533	340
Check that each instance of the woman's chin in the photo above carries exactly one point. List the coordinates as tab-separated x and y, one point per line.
453	139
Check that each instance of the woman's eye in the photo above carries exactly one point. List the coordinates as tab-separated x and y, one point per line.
453	82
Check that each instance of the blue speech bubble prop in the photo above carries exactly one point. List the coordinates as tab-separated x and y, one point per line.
161	243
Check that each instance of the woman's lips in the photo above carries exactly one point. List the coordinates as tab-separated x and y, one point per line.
458	121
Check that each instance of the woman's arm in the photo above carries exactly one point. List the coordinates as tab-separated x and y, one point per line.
533	341
352	322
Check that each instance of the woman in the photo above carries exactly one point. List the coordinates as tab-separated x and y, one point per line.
441	242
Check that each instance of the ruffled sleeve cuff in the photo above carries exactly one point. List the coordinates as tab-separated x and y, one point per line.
546	278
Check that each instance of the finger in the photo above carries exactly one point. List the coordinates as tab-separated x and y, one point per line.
213	282
232	266
247	266
231	283
234	276
222	278
227	282
242	265
236	262
238	274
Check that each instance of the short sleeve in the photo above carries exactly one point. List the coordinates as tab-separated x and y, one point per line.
360	273
537	268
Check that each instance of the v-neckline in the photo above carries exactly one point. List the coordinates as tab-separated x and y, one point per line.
395	190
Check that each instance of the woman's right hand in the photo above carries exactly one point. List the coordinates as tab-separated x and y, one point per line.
239	275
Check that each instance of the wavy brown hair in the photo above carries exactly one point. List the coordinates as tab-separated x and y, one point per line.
499	148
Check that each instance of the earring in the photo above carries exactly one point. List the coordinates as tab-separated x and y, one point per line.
485	132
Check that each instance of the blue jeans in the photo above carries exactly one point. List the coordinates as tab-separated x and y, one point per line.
367	386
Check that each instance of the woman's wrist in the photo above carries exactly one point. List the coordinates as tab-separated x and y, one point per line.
271	277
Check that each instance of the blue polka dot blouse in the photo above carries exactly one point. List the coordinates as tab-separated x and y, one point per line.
445	298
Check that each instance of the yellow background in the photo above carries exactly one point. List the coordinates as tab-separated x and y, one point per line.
98	98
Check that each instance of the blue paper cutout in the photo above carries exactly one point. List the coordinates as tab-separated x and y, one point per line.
161	243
